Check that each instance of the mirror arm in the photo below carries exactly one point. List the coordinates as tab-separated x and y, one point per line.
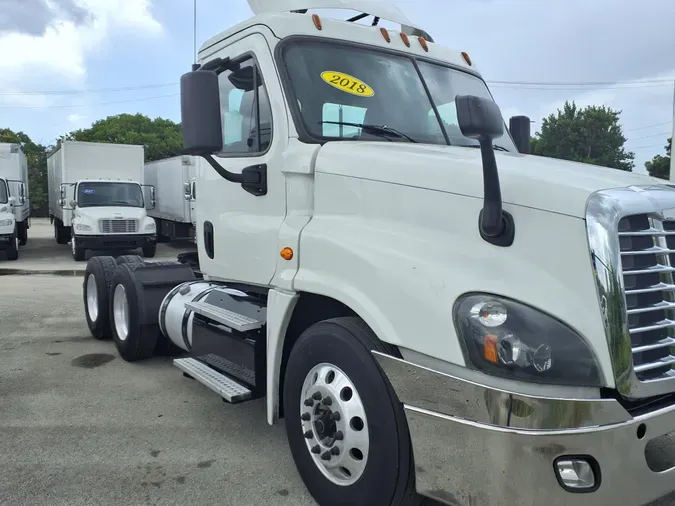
253	179
495	225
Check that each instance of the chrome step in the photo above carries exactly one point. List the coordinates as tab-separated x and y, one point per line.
226	387
226	317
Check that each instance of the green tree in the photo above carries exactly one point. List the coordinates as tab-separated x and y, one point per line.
590	135
161	138
36	156
659	166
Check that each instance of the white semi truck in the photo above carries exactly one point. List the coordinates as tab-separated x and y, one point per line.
14	199
97	199
174	182
434	312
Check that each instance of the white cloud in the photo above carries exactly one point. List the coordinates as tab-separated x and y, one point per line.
29	61
76	118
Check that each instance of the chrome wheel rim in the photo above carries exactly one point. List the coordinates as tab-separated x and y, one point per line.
92	298
72	244
334	424
121	312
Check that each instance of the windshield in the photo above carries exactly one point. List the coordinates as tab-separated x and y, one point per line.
109	194
335	84
3	192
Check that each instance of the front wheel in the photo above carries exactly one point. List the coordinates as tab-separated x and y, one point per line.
78	251
345	426
149	250
12	250
22	230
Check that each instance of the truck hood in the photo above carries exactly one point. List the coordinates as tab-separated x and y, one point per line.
97	213
526	180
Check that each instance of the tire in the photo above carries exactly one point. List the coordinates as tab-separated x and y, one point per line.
98	277
149	250
79	253
12	250
22	229
387	478
129	259
59	233
133	340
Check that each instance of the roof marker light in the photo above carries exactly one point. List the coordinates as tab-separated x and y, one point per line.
424	44
385	34
405	39
466	58
317	21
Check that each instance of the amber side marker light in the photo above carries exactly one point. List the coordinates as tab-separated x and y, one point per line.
405	39
466	58
385	34
286	253
490	348
424	44
317	21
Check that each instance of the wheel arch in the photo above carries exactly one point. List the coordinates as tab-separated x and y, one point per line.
289	317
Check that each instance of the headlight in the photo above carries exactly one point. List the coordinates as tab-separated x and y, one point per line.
150	226
505	338
3	209
83	227
6	223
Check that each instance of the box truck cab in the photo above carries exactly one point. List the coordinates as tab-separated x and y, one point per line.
98	200
9	237
434	312
14	173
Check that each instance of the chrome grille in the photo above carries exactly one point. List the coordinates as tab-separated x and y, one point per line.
647	249
108	226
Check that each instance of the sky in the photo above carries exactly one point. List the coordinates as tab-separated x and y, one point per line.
67	63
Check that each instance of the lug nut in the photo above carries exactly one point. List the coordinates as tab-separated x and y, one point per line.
309	434
336	416
335	450
339	436
317	396
327	401
316	449
309	402
325	456
306	417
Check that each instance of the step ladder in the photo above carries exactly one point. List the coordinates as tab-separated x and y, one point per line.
226	317
229	389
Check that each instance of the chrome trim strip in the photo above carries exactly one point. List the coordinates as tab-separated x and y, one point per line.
442	393
604	210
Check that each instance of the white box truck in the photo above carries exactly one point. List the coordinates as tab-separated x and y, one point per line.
14	199
174	183
435	312
97	199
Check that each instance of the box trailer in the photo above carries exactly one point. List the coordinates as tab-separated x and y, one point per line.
97	199
174	183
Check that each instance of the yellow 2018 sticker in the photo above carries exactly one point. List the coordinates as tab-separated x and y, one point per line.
348	84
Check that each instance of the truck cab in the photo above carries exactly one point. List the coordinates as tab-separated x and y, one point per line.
109	214
433	311
9	237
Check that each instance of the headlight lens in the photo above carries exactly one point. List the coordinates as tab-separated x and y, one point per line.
83	227
6	223
150	226
505	338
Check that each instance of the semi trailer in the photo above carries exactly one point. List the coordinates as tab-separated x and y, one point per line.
14	200
97	199
436	314
174	183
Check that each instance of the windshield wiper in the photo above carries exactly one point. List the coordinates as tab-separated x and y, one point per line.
381	130
494	146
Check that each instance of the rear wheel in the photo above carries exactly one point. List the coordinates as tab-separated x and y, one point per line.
60	232
345	426
22	229
134	341
98	277
149	250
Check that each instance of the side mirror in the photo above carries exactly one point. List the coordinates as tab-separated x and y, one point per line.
186	190
200	113
480	119
72	204
63	192
11	201
62	202
22	200
519	126
153	199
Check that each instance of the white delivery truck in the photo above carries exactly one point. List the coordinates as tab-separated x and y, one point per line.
433	311
97	199
174	183
14	199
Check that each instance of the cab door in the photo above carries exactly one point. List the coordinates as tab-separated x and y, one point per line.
237	231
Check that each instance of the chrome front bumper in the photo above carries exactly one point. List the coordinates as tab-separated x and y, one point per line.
475	445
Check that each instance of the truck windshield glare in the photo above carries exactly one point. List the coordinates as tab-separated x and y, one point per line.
4	197
101	194
335	84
